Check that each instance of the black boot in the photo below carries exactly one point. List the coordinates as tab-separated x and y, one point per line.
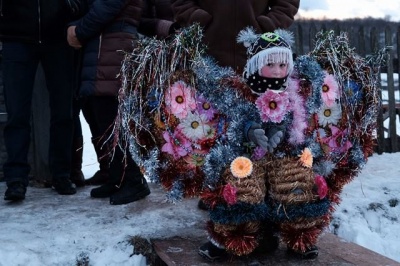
130	191
212	253
15	191
126	171
77	176
309	254
63	185
102	175
104	191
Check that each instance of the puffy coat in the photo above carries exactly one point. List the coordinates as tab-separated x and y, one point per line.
107	29
223	19
33	21
157	19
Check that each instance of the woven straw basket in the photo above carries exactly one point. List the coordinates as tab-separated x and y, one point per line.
289	181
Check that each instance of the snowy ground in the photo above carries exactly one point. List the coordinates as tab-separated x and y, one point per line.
49	229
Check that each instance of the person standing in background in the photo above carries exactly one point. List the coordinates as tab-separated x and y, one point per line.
156	21
106	30
34	32
222	21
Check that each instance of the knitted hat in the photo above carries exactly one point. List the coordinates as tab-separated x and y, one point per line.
266	48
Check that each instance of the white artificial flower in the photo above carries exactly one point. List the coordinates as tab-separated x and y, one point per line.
194	126
329	115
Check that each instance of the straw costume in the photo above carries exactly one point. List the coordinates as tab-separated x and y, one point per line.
187	121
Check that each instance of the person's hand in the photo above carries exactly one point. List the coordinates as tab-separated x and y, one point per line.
274	140
257	135
72	39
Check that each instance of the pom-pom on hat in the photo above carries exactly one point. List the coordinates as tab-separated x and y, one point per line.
269	47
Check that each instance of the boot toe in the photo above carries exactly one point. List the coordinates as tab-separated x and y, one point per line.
129	194
15	192
64	186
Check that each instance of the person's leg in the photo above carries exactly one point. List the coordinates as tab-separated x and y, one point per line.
127	183
77	176
102	175
20	62
57	62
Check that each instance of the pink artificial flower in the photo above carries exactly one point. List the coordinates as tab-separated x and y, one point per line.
322	187
330	90
204	108
273	106
179	100
338	141
229	194
176	145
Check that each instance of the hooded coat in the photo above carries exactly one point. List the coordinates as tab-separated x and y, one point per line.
222	20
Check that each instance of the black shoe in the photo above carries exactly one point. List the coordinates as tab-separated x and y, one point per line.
130	192
212	253
15	191
202	205
310	253
78	178
64	186
104	191
268	244
101	177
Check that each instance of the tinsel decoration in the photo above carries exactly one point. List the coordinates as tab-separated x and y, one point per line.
184	118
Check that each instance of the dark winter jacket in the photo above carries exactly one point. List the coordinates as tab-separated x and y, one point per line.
109	28
223	19
157	19
33	20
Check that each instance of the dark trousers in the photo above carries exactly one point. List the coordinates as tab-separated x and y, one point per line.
100	113
20	62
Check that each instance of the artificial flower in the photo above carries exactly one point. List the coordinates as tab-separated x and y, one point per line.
241	167
229	194
329	115
194	126
196	158
179	100
322	187
154	98
258	153
273	106
176	144
330	90
352	91
338	141
204	108
306	158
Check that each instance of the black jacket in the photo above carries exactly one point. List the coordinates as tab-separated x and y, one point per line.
33	20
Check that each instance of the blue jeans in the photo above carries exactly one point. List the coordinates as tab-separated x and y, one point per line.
20	62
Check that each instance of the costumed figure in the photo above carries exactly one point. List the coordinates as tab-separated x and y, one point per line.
269	153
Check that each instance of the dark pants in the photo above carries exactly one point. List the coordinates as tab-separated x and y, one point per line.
100	113
20	62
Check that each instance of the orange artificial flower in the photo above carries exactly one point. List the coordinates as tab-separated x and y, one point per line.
241	167
306	158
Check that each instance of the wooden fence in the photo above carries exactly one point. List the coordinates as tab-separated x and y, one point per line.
368	41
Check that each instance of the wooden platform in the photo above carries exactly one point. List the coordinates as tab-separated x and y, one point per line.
179	251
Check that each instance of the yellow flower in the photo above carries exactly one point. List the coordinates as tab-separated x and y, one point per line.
306	158
241	167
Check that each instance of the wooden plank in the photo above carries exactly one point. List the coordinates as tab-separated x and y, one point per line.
179	251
